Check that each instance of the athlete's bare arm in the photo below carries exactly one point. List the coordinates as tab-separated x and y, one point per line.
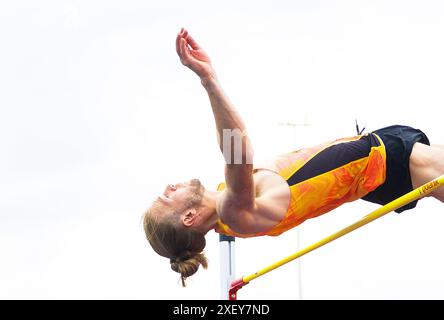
239	198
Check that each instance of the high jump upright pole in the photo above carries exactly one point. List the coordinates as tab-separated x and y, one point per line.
227	272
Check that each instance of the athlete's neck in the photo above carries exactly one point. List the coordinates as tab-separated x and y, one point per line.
208	213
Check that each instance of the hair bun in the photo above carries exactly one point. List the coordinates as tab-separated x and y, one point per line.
187	264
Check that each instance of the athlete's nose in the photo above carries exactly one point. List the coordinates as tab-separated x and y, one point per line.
168	189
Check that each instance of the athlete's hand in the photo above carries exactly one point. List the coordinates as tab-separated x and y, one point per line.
193	56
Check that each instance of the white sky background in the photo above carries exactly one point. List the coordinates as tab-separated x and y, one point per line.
97	114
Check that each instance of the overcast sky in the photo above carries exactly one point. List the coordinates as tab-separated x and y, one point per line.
97	115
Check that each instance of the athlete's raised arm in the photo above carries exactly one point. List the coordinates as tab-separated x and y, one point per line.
230	127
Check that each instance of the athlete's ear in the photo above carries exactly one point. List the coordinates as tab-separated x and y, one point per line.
189	217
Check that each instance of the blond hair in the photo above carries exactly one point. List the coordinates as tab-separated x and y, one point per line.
170	239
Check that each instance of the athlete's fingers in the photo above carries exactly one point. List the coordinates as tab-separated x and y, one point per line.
179	36
180	48
192	43
184	48
178	43
184	51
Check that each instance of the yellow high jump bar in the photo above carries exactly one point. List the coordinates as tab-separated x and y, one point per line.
389	207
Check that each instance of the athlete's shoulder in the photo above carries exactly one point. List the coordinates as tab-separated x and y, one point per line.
272	198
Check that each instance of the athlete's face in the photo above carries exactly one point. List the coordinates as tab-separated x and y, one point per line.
182	196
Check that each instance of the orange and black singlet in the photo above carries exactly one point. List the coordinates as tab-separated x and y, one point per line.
324	177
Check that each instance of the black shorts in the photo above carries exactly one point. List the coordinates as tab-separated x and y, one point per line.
398	141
